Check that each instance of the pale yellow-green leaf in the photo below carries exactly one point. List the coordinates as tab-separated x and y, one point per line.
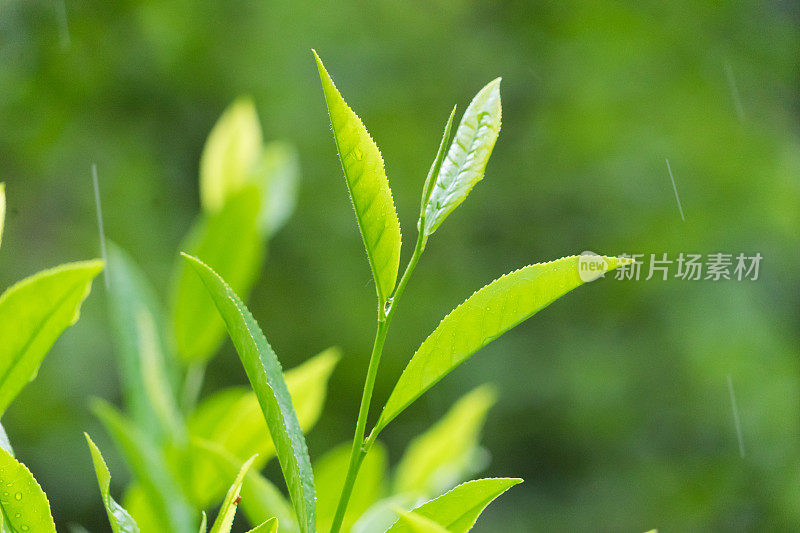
484	316
459	509
224	520
233	419
269	526
231	242
142	508
231	150
33	313
444	454
23	504
261	500
120	520
329	474
467	158
277	173
416	523
369	189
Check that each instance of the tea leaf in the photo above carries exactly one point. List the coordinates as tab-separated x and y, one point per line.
33	313
417	523
329	473
118	517
362	164
231	150
25	506
232	243
466	160
204	523
433	173
276	173
382	514
2	209
149	468
265	375
458	510
233	419
484	316
261	500
445	453
224	520
269	526
141	344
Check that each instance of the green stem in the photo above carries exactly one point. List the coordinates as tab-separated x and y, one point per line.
361	446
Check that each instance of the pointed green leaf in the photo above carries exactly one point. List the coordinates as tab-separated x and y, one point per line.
24	505
232	243
2	209
204	523
269	526
141	343
466	160
416	523
329	474
224	520
261	500
148	465
118	517
232	418
276	174
487	314
266	377
231	150
433	173
33	313
458	510
369	189
445	454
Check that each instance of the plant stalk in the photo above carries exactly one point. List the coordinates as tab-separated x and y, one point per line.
360	445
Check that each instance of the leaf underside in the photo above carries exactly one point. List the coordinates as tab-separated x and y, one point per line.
468	155
484	316
33	313
364	172
266	377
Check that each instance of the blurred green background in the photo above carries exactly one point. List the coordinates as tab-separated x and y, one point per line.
614	402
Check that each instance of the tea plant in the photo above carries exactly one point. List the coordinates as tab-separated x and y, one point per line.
187	454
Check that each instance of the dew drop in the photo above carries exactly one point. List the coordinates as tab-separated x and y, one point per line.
18	515
18	496
24	528
388	306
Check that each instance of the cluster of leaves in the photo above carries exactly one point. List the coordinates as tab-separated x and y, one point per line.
184	454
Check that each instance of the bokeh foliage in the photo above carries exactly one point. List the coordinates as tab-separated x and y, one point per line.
616	414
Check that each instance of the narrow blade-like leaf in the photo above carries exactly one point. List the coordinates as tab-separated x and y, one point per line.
487	314
224	520
446	453
232	418
232	243
458	510
204	523
24	505
416	523
266	377
466	160
433	173
33	313
261	500
269	526
329	474
120	520
369	189
231	150
148	465
2	209
137	322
